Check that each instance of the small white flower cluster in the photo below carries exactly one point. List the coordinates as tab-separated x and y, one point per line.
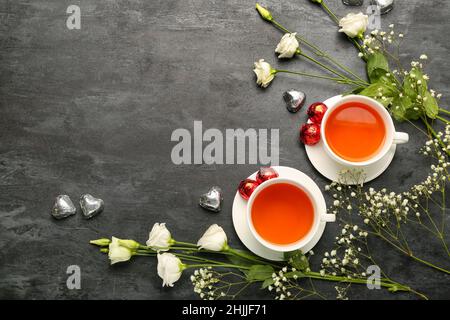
419	81
342	292
282	284
438	149
203	281
381	205
345	260
377	39
439	175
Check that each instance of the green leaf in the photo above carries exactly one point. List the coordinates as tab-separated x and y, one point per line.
399	107
242	260
414	113
355	91
410	86
377	90
380	75
297	260
386	102
376	61
239	261
260	272
423	86
267	282
430	105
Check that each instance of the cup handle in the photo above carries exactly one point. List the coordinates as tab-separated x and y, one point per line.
401	137
328	217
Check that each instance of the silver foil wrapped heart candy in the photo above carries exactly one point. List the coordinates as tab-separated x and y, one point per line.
294	100
212	200
91	206
63	207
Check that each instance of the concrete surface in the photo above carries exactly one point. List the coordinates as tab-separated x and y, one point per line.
93	110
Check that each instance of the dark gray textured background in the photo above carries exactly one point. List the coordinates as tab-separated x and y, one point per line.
92	111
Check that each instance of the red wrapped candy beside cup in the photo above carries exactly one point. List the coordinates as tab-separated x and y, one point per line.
247	186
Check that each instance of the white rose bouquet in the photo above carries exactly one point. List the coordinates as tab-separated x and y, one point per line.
234	271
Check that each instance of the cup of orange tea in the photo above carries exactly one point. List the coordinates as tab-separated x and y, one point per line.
358	131
283	214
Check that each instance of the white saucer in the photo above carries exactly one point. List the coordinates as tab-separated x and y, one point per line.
330	169
243	230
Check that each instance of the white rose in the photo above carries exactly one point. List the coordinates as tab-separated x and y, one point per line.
213	239
264	73
354	24
288	45
117	252
159	237
169	268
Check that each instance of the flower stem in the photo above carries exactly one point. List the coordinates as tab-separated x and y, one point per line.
330	13
144	254
409	254
430	264
339	80
444	111
443	120
186	244
197	258
386	284
319	52
336	20
215	266
361	83
249	257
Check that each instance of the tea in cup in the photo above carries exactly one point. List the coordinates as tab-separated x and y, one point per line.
283	214
358	131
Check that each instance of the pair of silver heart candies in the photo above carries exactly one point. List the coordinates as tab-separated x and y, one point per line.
64	207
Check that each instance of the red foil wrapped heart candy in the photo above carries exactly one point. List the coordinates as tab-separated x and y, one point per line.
310	134
316	111
246	188
266	173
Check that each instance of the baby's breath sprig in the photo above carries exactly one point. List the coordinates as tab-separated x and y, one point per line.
211	284
351	257
387	214
288	284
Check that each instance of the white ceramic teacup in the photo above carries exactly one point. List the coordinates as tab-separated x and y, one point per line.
320	216
392	137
